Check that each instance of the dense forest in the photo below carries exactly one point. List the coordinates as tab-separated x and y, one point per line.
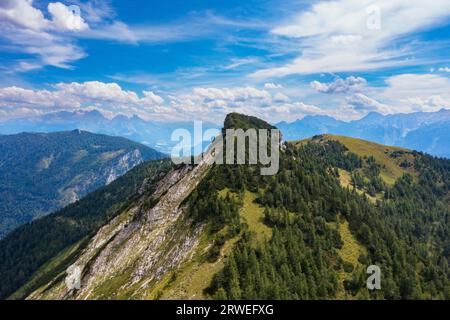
405	230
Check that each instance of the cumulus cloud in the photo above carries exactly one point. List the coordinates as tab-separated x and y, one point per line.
49	35
356	35
340	85
151	98
281	97
208	104
66	18
402	93
21	13
417	92
212	104
432	103
98	91
231	96
361	102
109	97
27	30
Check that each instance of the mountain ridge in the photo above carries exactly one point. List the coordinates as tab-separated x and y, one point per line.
413	130
154	134
226	232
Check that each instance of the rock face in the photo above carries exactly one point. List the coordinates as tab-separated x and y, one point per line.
124	164
139	246
87	181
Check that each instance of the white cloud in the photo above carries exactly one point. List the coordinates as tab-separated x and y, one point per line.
271	85
337	36
212	104
22	14
340	85
417	92
65	18
108	97
26	30
433	103
98	91
50	35
281	97
231	96
363	103
151	98
236	63
195	26
402	93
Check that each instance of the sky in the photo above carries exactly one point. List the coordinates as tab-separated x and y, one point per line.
199	60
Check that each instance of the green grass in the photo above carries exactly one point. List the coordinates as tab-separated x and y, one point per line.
196	275
253	215
351	248
345	180
111	288
390	171
350	252
390	166
51	269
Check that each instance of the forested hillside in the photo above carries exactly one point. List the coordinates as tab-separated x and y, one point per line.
336	206
40	173
327	230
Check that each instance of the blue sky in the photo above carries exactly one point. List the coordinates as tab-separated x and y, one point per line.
184	60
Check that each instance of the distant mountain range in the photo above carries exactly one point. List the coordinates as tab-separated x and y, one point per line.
42	172
423	131
151	133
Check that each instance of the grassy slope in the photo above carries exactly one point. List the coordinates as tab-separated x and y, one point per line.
345	180
196	275
55	266
391	169
253	215
390	172
350	252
